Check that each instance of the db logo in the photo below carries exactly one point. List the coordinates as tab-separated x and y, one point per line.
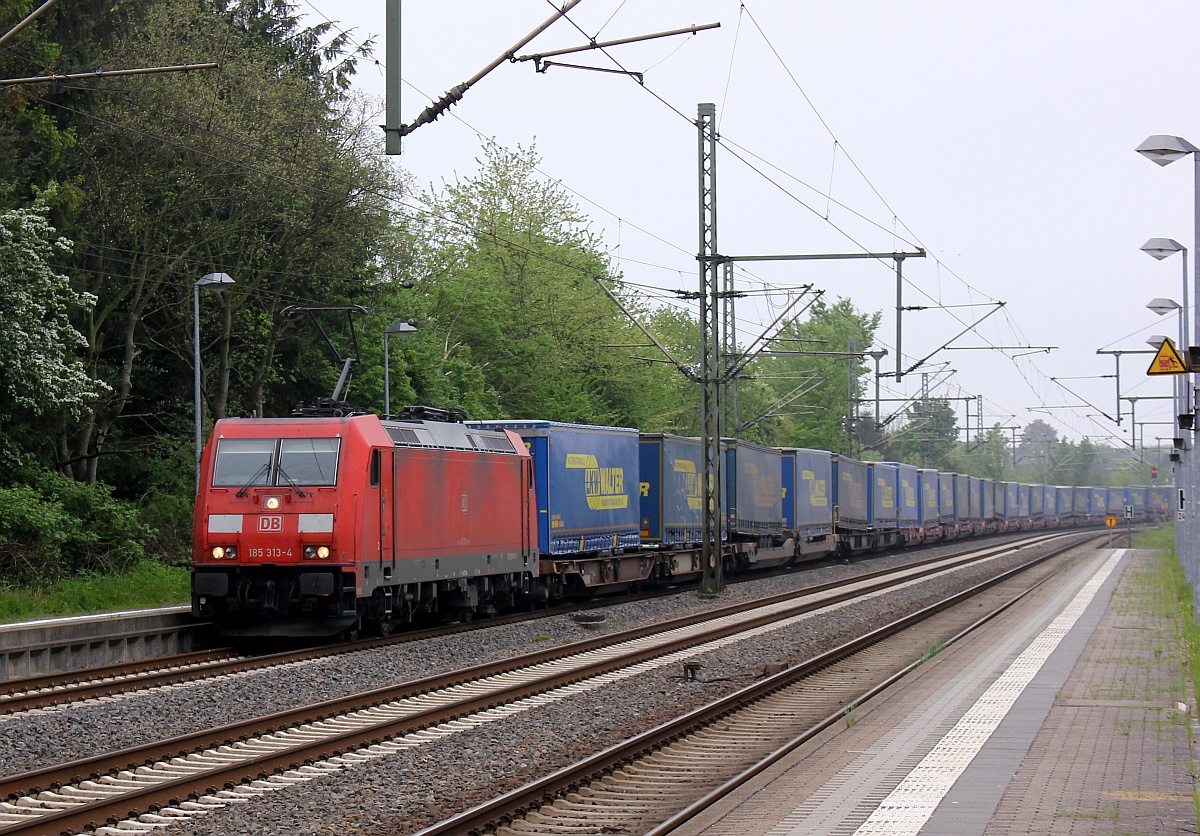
270	523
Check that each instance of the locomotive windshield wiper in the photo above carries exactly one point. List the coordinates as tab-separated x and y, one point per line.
299	492
260	472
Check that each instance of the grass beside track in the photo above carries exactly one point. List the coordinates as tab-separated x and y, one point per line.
1181	605
148	584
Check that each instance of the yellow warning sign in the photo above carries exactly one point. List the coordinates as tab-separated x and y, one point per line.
1168	360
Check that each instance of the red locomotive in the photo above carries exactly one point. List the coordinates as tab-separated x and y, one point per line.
326	525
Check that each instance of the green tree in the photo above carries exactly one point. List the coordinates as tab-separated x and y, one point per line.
995	456
1073	464
262	170
41	378
831	386
928	436
516	324
1038	442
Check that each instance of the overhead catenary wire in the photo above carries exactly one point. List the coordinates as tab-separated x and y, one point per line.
419	210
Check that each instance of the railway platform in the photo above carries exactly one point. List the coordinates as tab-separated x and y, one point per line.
1071	713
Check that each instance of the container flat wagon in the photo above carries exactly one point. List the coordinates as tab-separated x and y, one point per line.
884	486
671	501
588	512
852	510
929	484
808	500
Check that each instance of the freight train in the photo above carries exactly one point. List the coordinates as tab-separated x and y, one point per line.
323	526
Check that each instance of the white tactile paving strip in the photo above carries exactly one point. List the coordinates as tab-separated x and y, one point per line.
923	757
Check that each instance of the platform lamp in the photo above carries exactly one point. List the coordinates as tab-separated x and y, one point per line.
401	329
1164	149
217	282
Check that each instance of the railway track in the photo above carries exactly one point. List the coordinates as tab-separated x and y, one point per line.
45	691
49	690
177	778
658	780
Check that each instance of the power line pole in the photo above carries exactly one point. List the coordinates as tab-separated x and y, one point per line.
712	578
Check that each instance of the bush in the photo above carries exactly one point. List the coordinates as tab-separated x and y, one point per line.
53	527
147	584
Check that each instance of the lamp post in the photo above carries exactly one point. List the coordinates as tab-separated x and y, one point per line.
401	330
213	281
1164	149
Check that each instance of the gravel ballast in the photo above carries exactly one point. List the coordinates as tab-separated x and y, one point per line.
405	791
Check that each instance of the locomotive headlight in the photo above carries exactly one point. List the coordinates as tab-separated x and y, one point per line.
224	552
323	552
218	552
316	552
272	503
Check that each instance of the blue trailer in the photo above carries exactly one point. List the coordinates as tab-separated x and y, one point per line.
808	499
1097	503
962	504
1064	503
1008	504
1114	501
883	488
1037	505
884	481
908	514
852	503
989	512
946	504
753	490
586	481
1135	498
974	516
1161	498
1079	504
672	502
1024	505
929	506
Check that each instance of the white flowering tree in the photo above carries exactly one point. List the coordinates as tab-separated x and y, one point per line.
39	373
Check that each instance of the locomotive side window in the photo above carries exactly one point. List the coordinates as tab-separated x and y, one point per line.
307	461
375	456
243	461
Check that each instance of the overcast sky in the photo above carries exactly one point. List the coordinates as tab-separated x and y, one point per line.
997	136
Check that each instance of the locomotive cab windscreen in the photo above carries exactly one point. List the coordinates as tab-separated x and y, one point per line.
287	462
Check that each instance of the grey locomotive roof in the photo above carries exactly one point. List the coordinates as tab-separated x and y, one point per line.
443	436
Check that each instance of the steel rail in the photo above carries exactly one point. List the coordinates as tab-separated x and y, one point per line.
48	690
715	795
502	810
86	815
58	689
